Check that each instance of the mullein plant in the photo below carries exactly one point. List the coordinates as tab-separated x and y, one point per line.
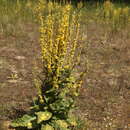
125	16
59	84
115	17
108	10
120	18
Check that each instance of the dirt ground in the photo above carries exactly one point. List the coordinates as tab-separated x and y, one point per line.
104	99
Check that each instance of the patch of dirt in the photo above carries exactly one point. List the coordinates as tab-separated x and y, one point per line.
104	96
16	68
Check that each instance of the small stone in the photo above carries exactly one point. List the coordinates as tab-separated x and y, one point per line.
20	57
12	81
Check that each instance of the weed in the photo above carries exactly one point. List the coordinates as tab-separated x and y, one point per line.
59	87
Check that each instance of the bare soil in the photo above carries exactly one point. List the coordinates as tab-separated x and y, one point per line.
104	99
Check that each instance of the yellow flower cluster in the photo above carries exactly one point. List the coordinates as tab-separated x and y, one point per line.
59	34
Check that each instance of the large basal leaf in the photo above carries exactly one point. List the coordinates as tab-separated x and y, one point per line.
63	104
62	124
24	121
43	116
47	127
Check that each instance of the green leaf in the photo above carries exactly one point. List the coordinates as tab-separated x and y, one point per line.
47	127
25	121
35	107
62	123
43	116
62	104
72	121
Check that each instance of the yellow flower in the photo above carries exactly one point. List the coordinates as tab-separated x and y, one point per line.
29	125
